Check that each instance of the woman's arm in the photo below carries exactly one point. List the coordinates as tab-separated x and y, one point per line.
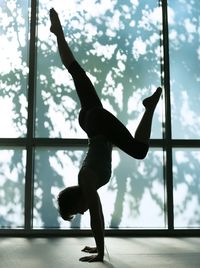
87	183
97	226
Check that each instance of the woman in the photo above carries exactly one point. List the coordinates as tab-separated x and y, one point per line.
103	130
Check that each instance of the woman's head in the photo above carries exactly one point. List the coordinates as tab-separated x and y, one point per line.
70	202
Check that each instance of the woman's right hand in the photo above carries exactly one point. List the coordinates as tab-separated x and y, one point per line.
89	249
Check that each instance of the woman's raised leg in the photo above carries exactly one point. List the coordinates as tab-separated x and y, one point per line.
65	52
143	131
85	89
103	122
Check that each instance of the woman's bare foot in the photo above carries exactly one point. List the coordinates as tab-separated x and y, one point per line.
151	102
56	27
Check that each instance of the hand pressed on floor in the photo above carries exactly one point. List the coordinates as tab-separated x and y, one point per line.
89	249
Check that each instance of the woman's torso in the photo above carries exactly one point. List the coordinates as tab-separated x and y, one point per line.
99	158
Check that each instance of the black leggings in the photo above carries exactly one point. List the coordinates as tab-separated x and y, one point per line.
95	120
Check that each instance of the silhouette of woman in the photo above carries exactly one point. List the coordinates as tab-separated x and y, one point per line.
103	130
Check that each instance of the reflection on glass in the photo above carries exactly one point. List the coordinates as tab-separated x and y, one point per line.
184	35
134	197
186	173
13	68
117	43
12	167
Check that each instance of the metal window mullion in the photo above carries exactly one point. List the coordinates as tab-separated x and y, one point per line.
168	130
30	120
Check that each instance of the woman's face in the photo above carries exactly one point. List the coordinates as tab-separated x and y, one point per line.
80	208
82	205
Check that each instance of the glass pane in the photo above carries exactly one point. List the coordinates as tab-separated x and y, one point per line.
14	68
136	192
186	173
134	197
12	177
117	43
184	35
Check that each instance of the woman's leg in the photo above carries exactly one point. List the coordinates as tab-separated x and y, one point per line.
85	90
100	121
143	131
66	55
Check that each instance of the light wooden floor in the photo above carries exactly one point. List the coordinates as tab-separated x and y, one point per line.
123	252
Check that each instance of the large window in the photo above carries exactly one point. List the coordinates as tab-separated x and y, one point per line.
128	48
14	30
103	36
184	50
136	190
184	37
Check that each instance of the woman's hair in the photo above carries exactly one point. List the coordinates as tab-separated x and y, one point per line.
68	200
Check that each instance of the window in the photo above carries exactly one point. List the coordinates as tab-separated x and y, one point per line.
128	48
14	68
184	34
133	193
186	194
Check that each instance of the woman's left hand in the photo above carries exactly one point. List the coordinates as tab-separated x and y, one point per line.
89	249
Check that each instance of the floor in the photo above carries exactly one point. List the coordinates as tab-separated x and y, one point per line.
122	252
